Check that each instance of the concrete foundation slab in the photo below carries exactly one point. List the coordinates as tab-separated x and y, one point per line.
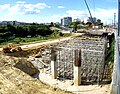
68	85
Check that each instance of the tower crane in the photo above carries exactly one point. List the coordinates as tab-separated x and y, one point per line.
93	23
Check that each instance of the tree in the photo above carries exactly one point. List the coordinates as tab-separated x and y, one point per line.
74	25
22	31
51	24
11	28
89	24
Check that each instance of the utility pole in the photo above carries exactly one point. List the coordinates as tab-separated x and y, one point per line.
118	17
114	20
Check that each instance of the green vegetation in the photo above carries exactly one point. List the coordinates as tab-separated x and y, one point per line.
17	34
77	25
82	25
110	56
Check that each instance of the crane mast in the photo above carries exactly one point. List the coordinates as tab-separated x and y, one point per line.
89	11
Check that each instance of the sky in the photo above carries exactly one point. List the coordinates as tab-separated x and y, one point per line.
45	11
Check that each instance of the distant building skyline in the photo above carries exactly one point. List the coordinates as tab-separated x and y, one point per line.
64	21
12	23
67	20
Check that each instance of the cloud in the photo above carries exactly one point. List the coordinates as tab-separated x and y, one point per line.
48	19
71	13
20	2
76	13
41	6
61	7
4	7
106	15
21	7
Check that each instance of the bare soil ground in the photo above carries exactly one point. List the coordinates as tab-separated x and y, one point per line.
14	81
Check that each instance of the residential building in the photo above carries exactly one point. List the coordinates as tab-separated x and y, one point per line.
94	19
66	20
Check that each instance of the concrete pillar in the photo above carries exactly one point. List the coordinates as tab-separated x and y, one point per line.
77	68
53	69
77	75
53	63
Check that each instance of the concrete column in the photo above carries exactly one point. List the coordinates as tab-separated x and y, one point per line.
53	69
77	75
53	63
77	68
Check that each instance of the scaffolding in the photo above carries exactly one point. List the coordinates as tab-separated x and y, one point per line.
92	59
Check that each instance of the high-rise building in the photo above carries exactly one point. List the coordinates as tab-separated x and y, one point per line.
94	19
66	20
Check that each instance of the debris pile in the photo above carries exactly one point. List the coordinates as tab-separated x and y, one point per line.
11	49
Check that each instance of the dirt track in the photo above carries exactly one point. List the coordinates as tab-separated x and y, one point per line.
37	44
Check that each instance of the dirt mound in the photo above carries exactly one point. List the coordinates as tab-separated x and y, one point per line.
15	78
26	67
11	48
14	81
20	63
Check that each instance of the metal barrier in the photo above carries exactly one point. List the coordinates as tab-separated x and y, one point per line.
115	86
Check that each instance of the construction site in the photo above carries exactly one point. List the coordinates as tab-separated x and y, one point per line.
77	64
